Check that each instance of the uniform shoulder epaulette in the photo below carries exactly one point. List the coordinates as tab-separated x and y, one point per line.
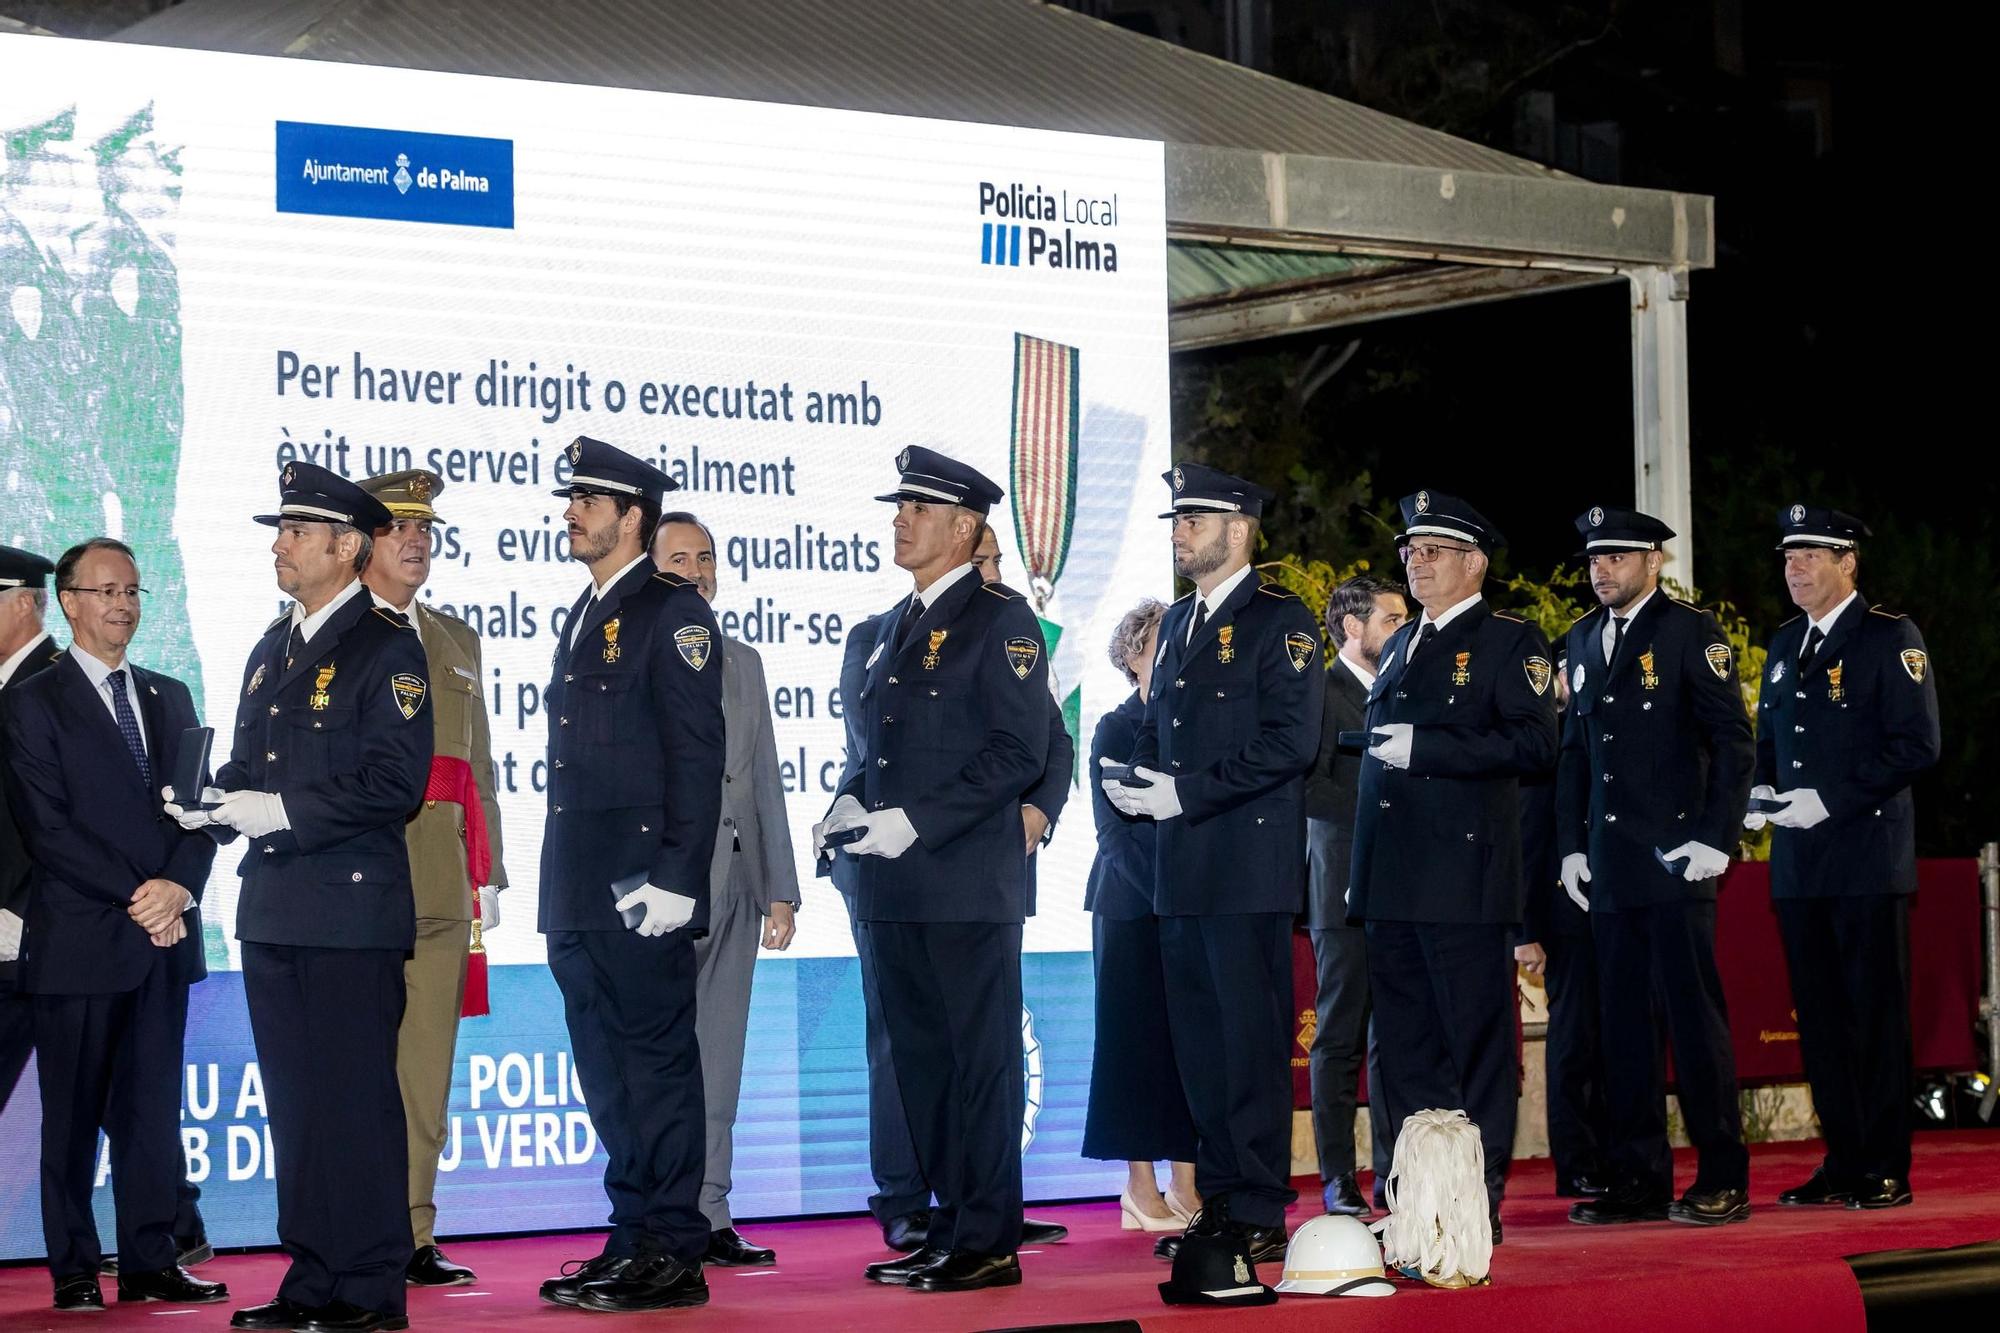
671	579
1002	591
1682	601
1799	616
1585	616
1509	617
1886	614
283	616
447	617
1184	597
1277	590
396	618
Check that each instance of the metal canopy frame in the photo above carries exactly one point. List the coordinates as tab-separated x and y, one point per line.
1251	161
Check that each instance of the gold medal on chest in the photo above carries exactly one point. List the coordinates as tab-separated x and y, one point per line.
937	642
1462	675
1834	692
1648	679
320	698
611	648
1225	650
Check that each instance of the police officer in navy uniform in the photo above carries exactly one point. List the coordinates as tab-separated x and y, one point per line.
330	754
635	796
1655	763
1847	719
954	709
1465	707
25	650
1231	726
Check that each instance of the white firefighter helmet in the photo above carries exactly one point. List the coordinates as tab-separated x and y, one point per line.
1334	1256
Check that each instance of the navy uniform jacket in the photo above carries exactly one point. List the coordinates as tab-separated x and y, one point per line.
344	736
635	750
846	871
1121	878
1330	789
955	731
1234	719
1858	728
14	852
96	832
1440	841
1656	751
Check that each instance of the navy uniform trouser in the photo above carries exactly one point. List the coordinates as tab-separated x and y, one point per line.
1229	1008
951	996
112	1062
630	1002
892	1158
325	1021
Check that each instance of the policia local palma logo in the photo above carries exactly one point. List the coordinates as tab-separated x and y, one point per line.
1063	230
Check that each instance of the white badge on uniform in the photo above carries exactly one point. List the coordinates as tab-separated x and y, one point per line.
869	665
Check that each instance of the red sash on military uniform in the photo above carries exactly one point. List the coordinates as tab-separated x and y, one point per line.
451	780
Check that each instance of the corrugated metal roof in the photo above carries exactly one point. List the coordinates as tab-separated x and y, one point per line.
1004	62
1198	274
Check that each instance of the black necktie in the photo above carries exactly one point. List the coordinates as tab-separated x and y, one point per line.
297	647
1424	635
1814	638
1200	619
1617	638
128	726
907	629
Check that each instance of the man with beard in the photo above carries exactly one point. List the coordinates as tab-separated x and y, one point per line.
1655	764
1847	719
454	842
1230	729
955	719
1462	710
332	745
635	795
1360	616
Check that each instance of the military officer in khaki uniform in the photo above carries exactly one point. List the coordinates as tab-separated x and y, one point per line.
454	842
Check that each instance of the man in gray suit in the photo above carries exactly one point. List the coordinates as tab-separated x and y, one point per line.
1360	616
753	888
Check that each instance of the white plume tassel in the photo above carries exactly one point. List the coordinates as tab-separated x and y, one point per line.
1438	1226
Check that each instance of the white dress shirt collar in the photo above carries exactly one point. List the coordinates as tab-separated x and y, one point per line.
929	596
1451	613
13	664
1361	673
1825	624
1218	595
309	625
598	590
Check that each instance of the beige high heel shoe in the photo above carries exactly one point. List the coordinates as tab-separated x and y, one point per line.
1130	1218
1182	1210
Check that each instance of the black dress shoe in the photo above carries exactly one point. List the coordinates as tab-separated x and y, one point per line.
726	1249
962	1270
1343	1197
280	1313
1041	1233
908	1233
188	1251
176	1286
563	1290
898	1272
1710	1208
1498	1233
79	1293
342	1317
429	1268
1617	1207
1582	1185
1819	1189
1267	1244
1882	1192
650	1282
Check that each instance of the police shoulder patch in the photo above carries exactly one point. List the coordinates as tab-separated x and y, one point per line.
1022	654
408	690
1300	648
694	644
1717	656
1539	671
1916	662
396	618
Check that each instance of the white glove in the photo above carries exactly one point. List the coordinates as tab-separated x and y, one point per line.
665	910
1756	819
1575	868
10	936
889	835
190	819
1395	751
251	813
1159	801
1806	809
489	909
1704	862
846	813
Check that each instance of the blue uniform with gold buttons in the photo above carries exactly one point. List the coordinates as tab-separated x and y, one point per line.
1857	724
1656	752
341	732
1437	874
954	715
635	765
1234	719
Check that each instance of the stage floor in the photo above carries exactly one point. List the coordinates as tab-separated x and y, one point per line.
1780	1270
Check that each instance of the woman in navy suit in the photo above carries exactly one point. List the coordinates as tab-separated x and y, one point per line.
1137	1113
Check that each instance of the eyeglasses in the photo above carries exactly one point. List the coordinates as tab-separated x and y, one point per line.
111	594
1426	553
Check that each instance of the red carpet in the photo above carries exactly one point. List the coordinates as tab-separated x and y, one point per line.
1781	1270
